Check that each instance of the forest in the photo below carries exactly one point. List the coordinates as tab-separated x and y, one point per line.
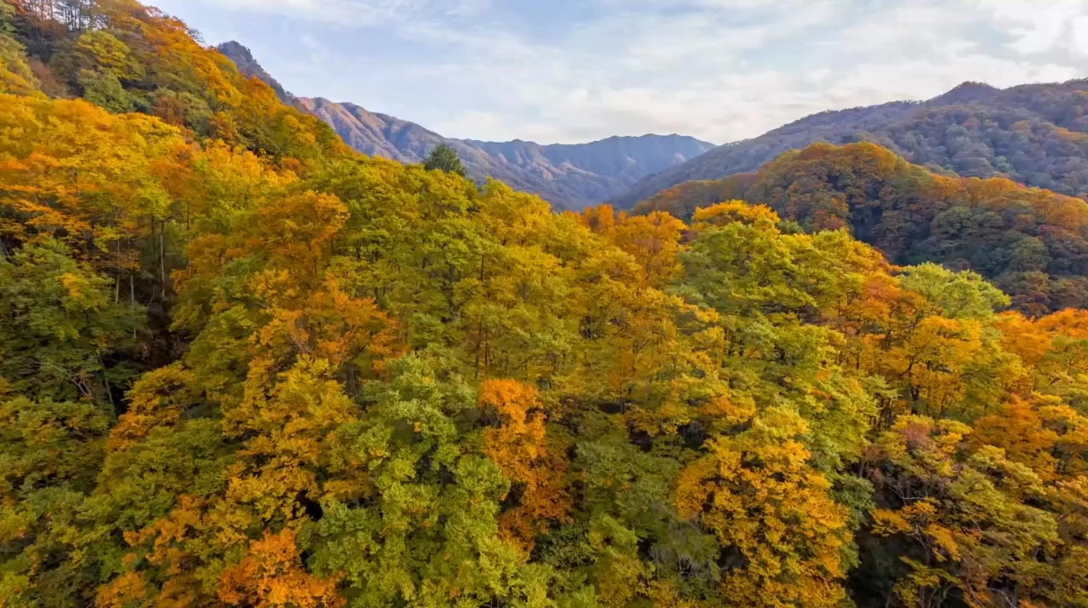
1032	243
241	365
1034	134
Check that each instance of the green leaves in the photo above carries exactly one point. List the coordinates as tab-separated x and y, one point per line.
955	295
444	158
426	532
58	325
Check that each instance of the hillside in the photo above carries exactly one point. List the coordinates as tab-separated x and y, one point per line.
1032	243
159	71
1033	134
242	365
568	176
247	65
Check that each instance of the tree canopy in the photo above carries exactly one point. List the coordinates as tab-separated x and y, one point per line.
1032	243
289	376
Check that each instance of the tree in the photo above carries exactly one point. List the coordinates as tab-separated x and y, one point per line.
970	520
59	326
783	536
444	158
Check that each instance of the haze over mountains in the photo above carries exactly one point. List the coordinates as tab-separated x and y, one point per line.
570	176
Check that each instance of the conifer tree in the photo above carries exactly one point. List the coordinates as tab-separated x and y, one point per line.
444	158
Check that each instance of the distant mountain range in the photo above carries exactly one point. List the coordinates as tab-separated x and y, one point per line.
1033	134
570	176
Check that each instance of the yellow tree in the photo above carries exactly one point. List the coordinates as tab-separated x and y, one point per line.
971	518
785	537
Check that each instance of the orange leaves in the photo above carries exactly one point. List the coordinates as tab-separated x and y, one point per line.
1020	431
600	219
513	401
297	231
1042	433
652	240
520	449
326	323
272	576
129	589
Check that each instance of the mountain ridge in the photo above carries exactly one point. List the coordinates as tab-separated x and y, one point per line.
569	176
1036	134
247	65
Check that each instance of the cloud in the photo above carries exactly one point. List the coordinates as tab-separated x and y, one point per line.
355	13
575	71
1037	27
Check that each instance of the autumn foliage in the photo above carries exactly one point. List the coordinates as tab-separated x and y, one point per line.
240	366
1032	243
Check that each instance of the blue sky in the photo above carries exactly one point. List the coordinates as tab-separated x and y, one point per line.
579	70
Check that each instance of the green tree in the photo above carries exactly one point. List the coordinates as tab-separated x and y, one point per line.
444	158
59	324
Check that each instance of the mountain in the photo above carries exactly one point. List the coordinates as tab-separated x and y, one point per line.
685	199
247	65
374	134
1032	243
1034	134
570	176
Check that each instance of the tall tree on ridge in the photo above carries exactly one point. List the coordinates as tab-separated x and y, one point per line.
444	158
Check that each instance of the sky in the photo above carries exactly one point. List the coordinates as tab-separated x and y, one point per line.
571	71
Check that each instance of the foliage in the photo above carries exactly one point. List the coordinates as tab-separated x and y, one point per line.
227	379
1030	242
126	57
444	158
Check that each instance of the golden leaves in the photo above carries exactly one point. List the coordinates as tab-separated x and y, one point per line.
760	497
736	211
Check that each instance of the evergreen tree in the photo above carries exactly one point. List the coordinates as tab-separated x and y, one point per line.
444	158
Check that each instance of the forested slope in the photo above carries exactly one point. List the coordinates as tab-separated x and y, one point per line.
1032	134
1033	243
263	371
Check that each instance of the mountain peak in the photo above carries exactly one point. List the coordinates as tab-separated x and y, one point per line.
247	65
966	93
233	48
570	176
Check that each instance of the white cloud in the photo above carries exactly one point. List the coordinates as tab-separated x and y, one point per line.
1037	26
717	69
